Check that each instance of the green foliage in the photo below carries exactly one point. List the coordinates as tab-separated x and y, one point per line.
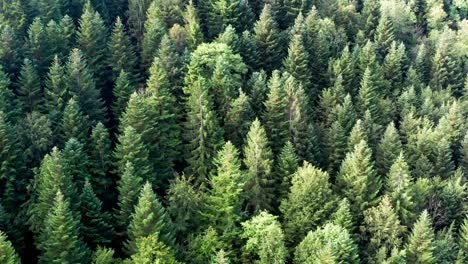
9	255
286	166
265	239
151	250
238	119
100	160
154	30
29	89
122	57
388	149
74	123
420	246
268	39
103	255
55	96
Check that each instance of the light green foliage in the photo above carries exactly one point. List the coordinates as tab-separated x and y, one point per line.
388	149
154	30
287	165
8	255
74	123
150	250
238	119
420	246
103	256
265	239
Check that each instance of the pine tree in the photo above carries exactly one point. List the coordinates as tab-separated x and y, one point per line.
96	228
238	119
150	249
203	133
75	162
149	218
154	31
384	230
420	244
399	189
265	239
357	178
9	255
131	149
388	149
258	159
100	159
268	40
122	56
330	240
225	199
310	200
80	83
74	123
92	38
60	241
287	165
274	116
128	188
29	88
55	94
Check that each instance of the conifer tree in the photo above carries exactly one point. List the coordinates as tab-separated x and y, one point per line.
238	119
36	45
225	199
274	116
358	180
399	189
100	159
368	98
420	246
463	242
60	241
8	255
192	26
128	188
258	91
287	165
258	159
446	69
222	13
330	240
296	63
131	149
336	146
29	88
268	39
9	52
8	100
150	249
92	38
122	91
55	94
80	83
388	149
203	133
384	36
96	228
149	218
343	217
35	137
138	14
75	162
310	195
122	56
103	255
74	123
154	30
357	134
172	62
393	68
265	239
384	230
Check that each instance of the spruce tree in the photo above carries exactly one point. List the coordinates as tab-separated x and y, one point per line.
29	88
74	123
122	91
343	217
103	255
8	255
358	180
420	246
388	149
122	56
287	165
55	94
79	82
149	218
310	200
151	249
75	162
60	241
202	131
238	119
268	39
258	158
96	228
100	161
154	30
296	63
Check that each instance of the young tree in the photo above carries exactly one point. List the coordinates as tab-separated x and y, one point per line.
258	159
60	240
309	202
265	239
420	246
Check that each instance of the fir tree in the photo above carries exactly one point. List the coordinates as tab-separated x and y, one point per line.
9	51
55	96
310	195
287	165
357	134
149	218
296	63
96	228
268	39
192	26
388	149
74	123
238	119
75	161
100	159
60	241
222	13
420	244
343	217
258	91
368	98
122	57
154	31
8	100
150	249
463	242
36	45
103	255
122	91
137	16
9	255
29	88
258	159
384	36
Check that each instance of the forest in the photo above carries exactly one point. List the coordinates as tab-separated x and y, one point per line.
233	131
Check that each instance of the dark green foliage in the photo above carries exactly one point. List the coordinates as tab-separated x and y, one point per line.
74	123
268	39
100	160
122	56
287	165
75	162
29	88
10	50
238	119
55	93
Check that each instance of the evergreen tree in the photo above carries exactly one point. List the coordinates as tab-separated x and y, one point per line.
100	161
357	179
29	88
287	165
7	98
463	242
74	123
258	159
35	137
258	91
36	45
122	57
238	119
75	161
222	13
393	69
10	55
192	26
203	133
384	36
137	17
368	98
80	83
343	217
330	240
55	94
420	244
96	228
149	218
268	39
60	241
310	200
388	149
122	91
150	249
131	149
296	63
103	255
9	255
154	30
357	134
265	239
